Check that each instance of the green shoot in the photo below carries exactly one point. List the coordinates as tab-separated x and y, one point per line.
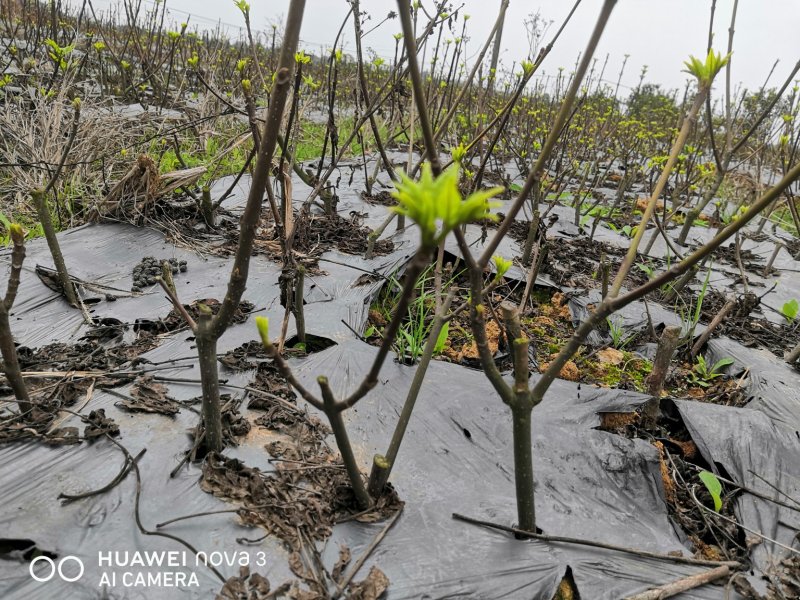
436	204
790	310
703	374
714	488
618	337
706	71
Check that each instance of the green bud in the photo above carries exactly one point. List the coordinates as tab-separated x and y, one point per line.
262	323
17	234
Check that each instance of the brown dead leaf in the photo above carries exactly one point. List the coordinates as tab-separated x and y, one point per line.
245	585
150	397
341	564
370	588
641	204
298	567
297	594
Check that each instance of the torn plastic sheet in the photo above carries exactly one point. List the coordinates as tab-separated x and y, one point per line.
772	385
748	447
456	458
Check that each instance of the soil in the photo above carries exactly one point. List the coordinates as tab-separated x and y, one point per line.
174	321
575	262
745	327
319	233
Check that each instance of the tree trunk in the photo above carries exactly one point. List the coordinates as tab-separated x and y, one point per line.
498	36
11	364
212	418
694	213
523	468
55	250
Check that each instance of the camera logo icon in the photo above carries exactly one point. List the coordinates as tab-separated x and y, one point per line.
56	568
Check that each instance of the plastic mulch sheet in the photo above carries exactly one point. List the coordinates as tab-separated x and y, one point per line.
457	455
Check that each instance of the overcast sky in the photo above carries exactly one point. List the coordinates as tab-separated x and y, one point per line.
658	33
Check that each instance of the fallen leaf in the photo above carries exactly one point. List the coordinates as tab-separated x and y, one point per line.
370	588
610	356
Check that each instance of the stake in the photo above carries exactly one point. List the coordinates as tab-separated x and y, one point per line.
297	305
655	381
206	343
207	207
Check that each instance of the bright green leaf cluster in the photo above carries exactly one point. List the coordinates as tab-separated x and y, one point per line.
527	68
57	53
501	266
458	153
436	204
706	71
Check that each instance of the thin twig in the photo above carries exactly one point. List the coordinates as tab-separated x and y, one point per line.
734	522
126	468
365	555
580	542
177	304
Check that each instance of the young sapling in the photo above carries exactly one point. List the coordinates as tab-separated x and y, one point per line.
10	364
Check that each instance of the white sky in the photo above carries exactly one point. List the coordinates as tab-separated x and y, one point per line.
658	33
